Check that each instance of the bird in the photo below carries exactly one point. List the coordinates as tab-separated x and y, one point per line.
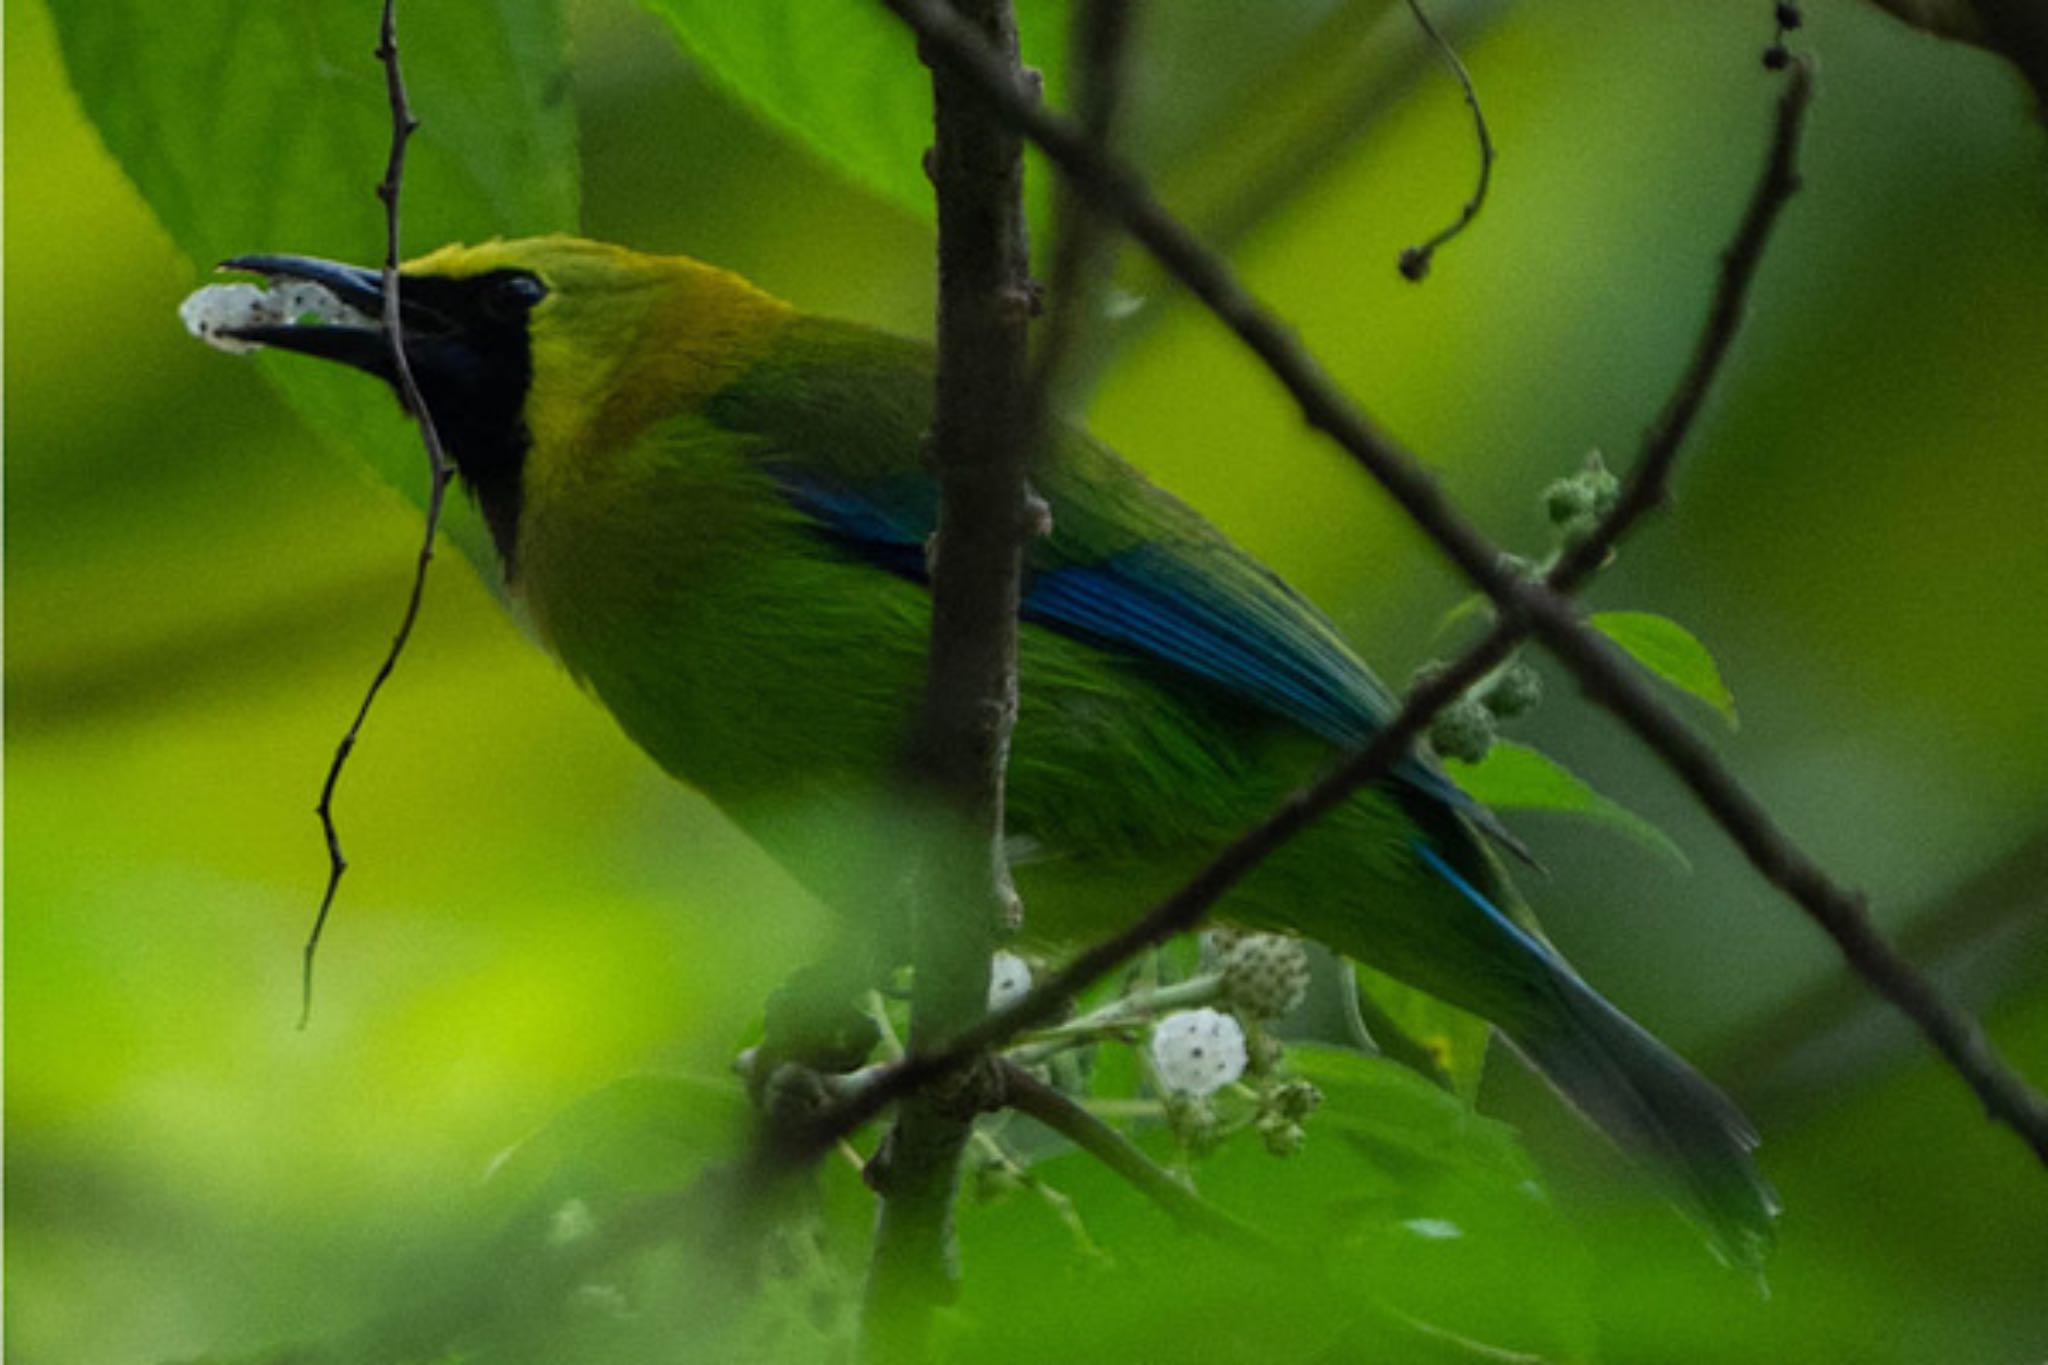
715	509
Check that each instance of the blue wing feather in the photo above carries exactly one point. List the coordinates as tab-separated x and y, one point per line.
836	421
1149	601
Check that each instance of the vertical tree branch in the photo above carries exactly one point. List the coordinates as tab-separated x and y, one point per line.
980	446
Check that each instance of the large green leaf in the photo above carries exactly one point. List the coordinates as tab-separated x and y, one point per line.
264	128
842	77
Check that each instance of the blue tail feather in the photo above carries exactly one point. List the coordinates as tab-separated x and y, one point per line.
1643	1096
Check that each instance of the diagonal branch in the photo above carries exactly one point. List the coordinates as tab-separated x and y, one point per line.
1603	671
440	470
1028	1095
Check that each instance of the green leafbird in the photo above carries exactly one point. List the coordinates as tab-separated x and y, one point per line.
715	509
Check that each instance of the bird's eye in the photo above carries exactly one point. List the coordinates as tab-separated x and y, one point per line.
512	296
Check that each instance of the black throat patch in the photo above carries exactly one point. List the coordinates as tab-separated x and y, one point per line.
474	366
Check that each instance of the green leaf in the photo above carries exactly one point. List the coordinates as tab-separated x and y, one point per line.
1456	1040
842	77
1401	1200
1516	777
1671	652
252	128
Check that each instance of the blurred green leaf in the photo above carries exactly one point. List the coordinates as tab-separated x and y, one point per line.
1422	1197
264	128
1400	1201
1671	652
639	1134
843	79
1516	777
1404	1121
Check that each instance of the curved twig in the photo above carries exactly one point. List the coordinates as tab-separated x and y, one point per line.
1415	261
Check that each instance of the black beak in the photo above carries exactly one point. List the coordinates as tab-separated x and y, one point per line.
358	341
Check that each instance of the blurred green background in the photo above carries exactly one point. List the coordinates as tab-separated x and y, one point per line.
198	585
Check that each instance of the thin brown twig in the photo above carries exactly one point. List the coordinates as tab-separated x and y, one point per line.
440	472
1604	672
1098	43
1028	1095
1649	479
1415	261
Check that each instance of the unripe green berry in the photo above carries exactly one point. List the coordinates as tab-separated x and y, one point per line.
1566	500
1575	505
1264	975
1514	691
1462	730
1282	1136
1295	1100
1601	484
1267	1052
1217	942
1193	1121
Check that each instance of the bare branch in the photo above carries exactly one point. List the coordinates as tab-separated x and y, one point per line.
440	472
1603	671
